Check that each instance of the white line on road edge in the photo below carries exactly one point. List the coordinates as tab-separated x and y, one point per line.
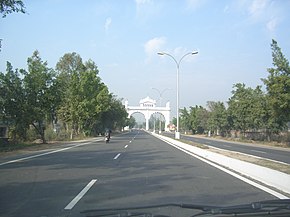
116	157
80	195
46	153
266	189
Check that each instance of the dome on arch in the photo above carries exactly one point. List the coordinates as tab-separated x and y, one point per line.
147	102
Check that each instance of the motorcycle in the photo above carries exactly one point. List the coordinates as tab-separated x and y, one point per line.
107	137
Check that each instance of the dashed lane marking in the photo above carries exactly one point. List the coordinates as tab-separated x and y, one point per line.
80	195
116	157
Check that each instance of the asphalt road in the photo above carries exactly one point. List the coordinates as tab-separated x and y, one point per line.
133	169
273	153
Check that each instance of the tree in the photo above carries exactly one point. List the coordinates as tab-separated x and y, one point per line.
239	107
218	119
74	94
116	116
199	123
195	119
38	86
131	122
67	65
69	68
10	6
93	97
248	108
12	102
185	122
88	107
278	87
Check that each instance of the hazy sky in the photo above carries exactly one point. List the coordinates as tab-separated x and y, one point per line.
123	37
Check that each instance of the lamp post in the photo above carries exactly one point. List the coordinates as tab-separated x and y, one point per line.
177	133
160	98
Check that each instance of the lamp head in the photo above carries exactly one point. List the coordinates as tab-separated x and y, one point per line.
160	53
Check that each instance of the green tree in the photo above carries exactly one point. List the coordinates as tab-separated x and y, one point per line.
38	83
218	119
75	95
11	6
88	107
184	118
197	118
68	64
12	103
94	97
201	119
248	108
131	122
119	115
278	88
69	69
239	107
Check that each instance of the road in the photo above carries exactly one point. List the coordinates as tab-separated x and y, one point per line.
133	169
273	153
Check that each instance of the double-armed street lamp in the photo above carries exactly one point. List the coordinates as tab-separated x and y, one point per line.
177	133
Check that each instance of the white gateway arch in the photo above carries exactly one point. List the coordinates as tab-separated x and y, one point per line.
148	107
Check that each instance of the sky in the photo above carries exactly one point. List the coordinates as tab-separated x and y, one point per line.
122	37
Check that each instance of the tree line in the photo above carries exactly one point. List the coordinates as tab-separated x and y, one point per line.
70	99
250	112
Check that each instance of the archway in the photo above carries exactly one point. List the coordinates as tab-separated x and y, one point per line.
157	122
139	119
147	107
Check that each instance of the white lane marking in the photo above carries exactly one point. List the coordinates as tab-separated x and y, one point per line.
126	146
116	157
80	195
46	153
259	151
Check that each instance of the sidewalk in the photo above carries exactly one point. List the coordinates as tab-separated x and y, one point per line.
276	182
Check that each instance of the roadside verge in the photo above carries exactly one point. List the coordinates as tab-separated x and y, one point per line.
277	183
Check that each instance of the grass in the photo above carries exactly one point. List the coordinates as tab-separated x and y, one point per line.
198	145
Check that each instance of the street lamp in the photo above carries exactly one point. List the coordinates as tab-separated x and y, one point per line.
160	98
177	133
